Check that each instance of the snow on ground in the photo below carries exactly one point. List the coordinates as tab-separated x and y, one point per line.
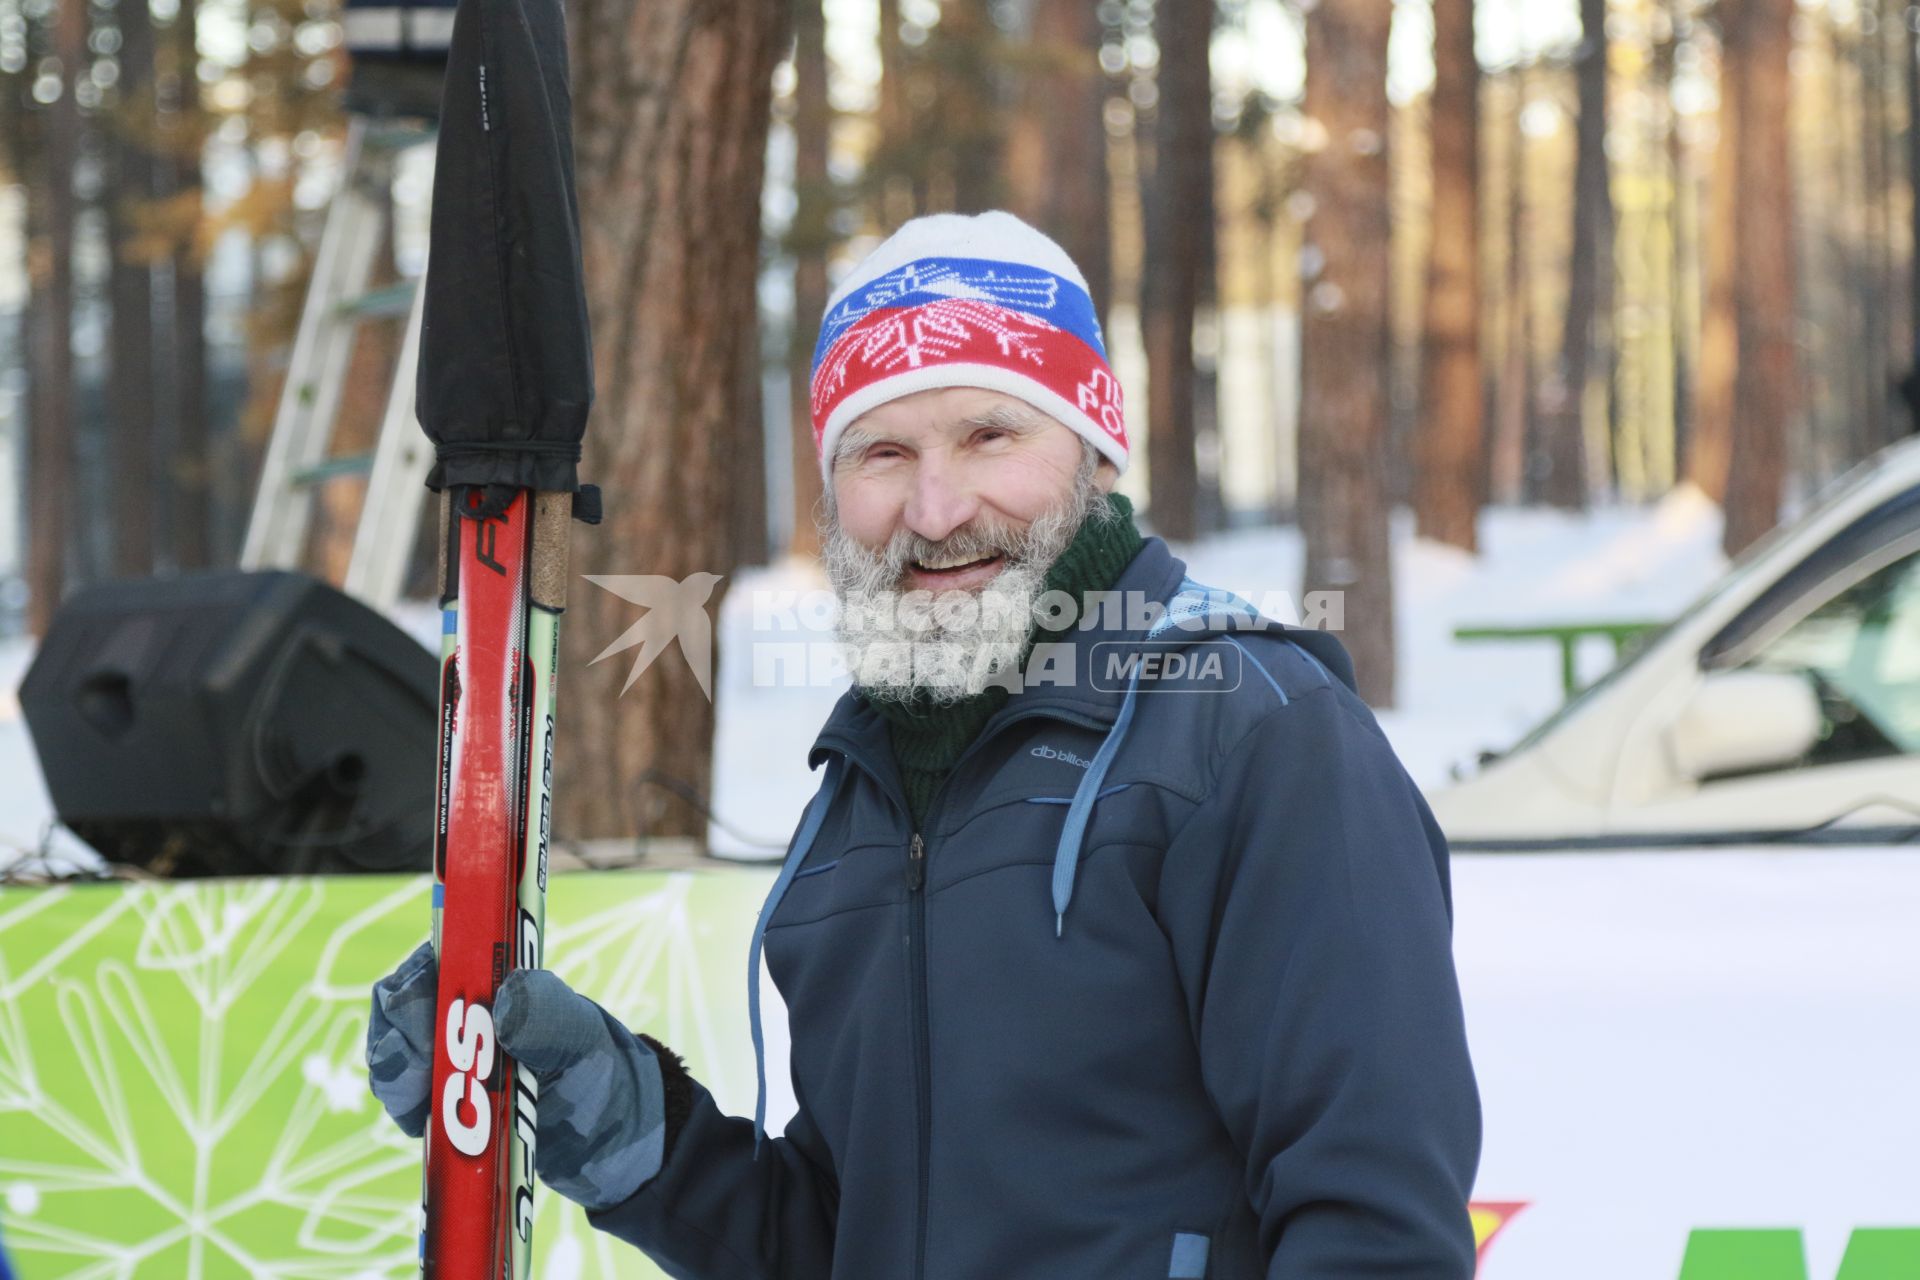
1454	699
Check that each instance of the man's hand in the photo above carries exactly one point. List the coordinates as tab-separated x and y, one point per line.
400	1039
603	1119
602	1108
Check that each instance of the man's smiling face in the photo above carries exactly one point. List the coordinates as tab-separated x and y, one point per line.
963	496
954	474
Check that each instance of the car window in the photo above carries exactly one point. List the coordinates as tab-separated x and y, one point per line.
1869	541
1753	626
1861	649
1733	645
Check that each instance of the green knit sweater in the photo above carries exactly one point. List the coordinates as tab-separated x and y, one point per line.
927	739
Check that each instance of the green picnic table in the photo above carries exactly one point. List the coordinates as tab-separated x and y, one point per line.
1622	631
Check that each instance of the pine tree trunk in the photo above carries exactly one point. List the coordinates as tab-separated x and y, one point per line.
1179	204
672	100
809	241
52	212
192	469
131	392
1513	421
1874	299
1895	48
1710	442
1910	59
1681	264
1765	391
1057	147
1854	188
747	473
1345	340
969	107
891	195
1562	479
1447	442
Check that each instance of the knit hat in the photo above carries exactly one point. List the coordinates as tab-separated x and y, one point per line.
956	301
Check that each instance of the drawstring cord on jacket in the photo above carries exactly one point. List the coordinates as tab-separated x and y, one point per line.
1192	601
802	842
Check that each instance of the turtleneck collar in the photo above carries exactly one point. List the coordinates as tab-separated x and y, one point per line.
927	739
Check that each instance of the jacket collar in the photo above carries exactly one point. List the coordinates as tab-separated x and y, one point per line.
1155	573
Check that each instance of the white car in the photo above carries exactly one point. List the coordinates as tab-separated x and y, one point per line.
1783	706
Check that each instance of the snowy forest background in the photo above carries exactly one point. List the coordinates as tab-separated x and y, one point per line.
1464	309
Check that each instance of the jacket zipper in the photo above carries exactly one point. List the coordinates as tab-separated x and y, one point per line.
917	976
922	1036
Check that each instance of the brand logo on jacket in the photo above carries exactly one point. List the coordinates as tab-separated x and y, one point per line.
1057	753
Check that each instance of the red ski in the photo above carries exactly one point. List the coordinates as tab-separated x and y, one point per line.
490	863
504	390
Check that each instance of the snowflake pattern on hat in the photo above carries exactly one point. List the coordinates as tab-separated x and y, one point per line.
980	301
934	331
940	278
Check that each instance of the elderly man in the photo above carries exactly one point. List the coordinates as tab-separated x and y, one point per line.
1116	940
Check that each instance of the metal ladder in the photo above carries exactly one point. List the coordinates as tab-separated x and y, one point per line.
298	453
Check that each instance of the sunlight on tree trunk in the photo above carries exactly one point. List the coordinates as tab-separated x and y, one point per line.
131	390
1447	440
50	465
1765	393
1179	202
1562	475
672	100
1057	144
1344	367
192	443
809	240
1513	418
1712	435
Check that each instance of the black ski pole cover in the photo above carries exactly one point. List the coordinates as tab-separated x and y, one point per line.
506	360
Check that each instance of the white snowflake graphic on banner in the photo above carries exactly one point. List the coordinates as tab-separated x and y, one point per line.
931	333
183	1088
1025	292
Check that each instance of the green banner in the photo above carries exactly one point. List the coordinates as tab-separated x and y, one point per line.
1873	1253
183	1085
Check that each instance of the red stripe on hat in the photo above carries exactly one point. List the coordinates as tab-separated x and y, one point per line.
967	331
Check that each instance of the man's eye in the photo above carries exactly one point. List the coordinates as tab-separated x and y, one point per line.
988	434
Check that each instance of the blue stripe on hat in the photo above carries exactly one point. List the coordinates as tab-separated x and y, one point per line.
1030	290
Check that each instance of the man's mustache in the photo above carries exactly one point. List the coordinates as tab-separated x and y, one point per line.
964	543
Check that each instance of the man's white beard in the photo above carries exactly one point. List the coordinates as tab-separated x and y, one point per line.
955	643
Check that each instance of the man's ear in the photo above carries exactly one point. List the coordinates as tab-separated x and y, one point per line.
1106	475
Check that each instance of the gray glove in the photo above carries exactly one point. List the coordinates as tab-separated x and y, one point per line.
602	1107
400	1040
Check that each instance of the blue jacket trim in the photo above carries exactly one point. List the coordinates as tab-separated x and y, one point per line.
1122	786
802	842
1192	601
1066	854
1189	1261
814	871
1265	674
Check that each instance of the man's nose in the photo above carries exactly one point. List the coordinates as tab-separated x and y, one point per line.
941	500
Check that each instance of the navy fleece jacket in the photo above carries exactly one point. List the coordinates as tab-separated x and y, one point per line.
1163	988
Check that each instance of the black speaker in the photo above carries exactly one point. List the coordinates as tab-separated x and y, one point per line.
236	724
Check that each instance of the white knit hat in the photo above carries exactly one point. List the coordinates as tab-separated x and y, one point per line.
951	300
